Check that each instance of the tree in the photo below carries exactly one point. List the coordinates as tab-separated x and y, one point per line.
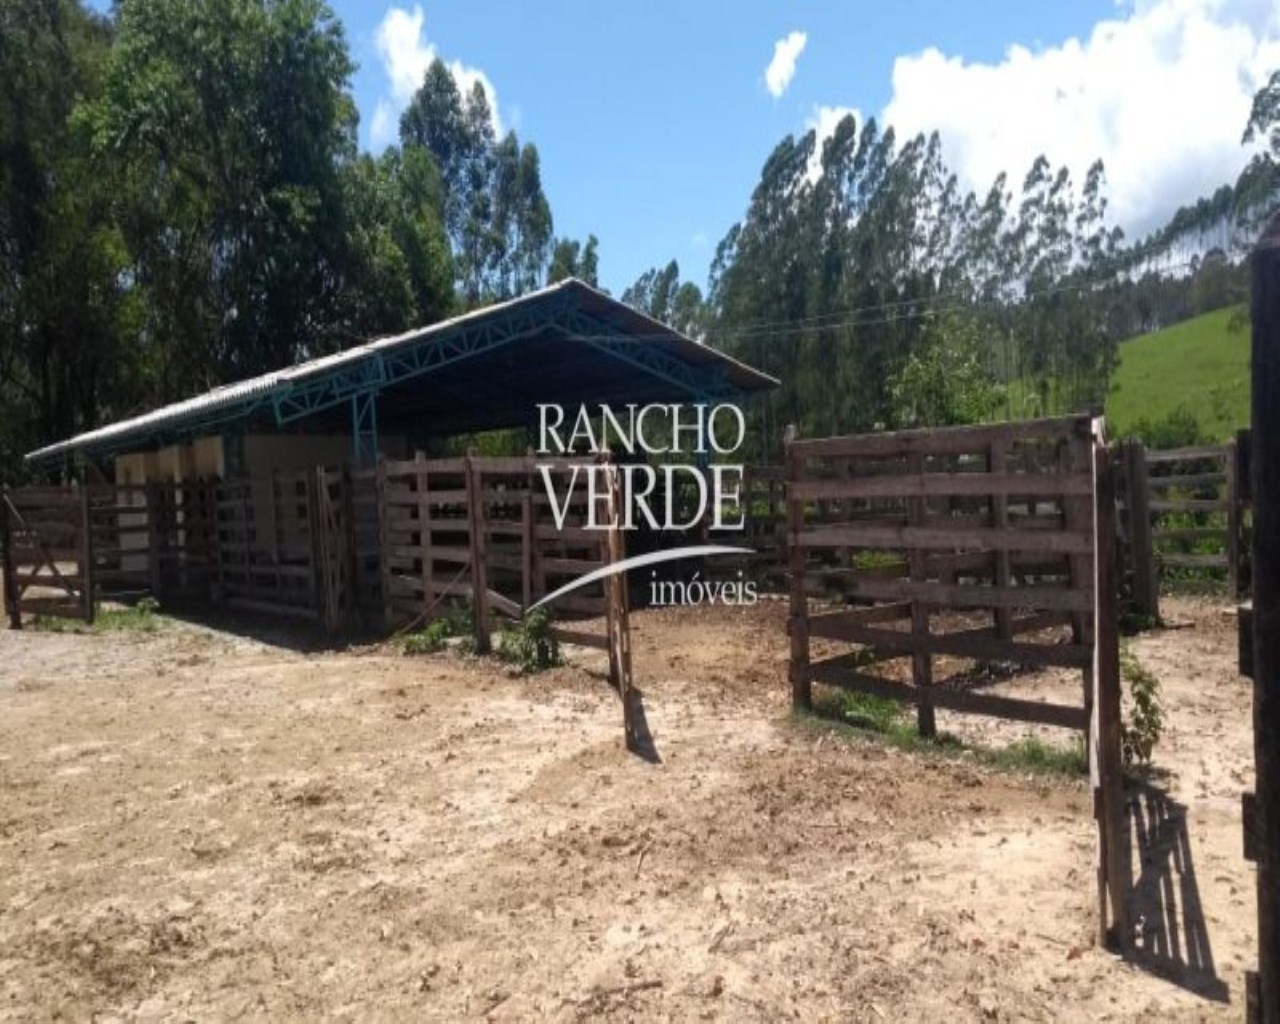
571	258
659	293
497	216
946	382
68	315
231	122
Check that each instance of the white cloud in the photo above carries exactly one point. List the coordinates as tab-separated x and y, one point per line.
1161	93
406	54
786	51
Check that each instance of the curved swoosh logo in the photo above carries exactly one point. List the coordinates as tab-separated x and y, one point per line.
639	562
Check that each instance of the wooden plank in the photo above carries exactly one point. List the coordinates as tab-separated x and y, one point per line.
7	565
997	460
580	638
1182	561
962	595
945	441
1146	584
67	607
1209	451
479	582
1189	533
982	643
921	537
1190	505
841	672
1187	480
1234	520
411	467
943	485
1106	763
921	658
505	605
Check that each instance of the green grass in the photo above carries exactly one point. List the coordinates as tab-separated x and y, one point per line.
857	715
140	618
1199	365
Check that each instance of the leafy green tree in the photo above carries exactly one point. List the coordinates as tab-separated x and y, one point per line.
495	211
231	122
946	382
659	293
571	258
69	316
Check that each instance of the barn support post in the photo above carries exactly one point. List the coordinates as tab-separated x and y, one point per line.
6	563
1263	989
364	427
798	621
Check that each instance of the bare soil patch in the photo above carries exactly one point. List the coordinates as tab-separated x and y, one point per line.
199	826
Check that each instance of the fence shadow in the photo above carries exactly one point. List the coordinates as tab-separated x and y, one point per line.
1171	938
288	634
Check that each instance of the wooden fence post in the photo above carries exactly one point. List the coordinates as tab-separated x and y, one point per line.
6	562
384	563
422	483
618	611
1146	582
527	534
921	657
1244	501
86	557
1264	458
479	576
798	621
1233	521
1105	761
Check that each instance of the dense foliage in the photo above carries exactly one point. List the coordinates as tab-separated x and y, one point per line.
183	203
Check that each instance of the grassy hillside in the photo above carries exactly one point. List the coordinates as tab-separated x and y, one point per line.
1199	365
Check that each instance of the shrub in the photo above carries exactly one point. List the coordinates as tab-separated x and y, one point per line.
1179	429
1141	731
434	636
529	644
428	640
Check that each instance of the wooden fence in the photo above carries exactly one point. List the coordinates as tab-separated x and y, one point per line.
1185	514
389	546
442	517
964	546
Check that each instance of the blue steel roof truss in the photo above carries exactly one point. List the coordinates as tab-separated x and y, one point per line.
358	383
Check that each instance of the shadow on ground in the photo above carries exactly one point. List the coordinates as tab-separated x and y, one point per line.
1171	938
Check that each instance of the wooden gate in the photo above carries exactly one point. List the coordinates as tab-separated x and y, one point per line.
977	544
48	567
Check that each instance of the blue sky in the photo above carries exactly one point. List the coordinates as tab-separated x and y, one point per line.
653	117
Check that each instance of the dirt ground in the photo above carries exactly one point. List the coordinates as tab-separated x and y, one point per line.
196	826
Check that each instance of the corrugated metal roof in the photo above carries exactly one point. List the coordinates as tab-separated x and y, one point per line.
247	392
